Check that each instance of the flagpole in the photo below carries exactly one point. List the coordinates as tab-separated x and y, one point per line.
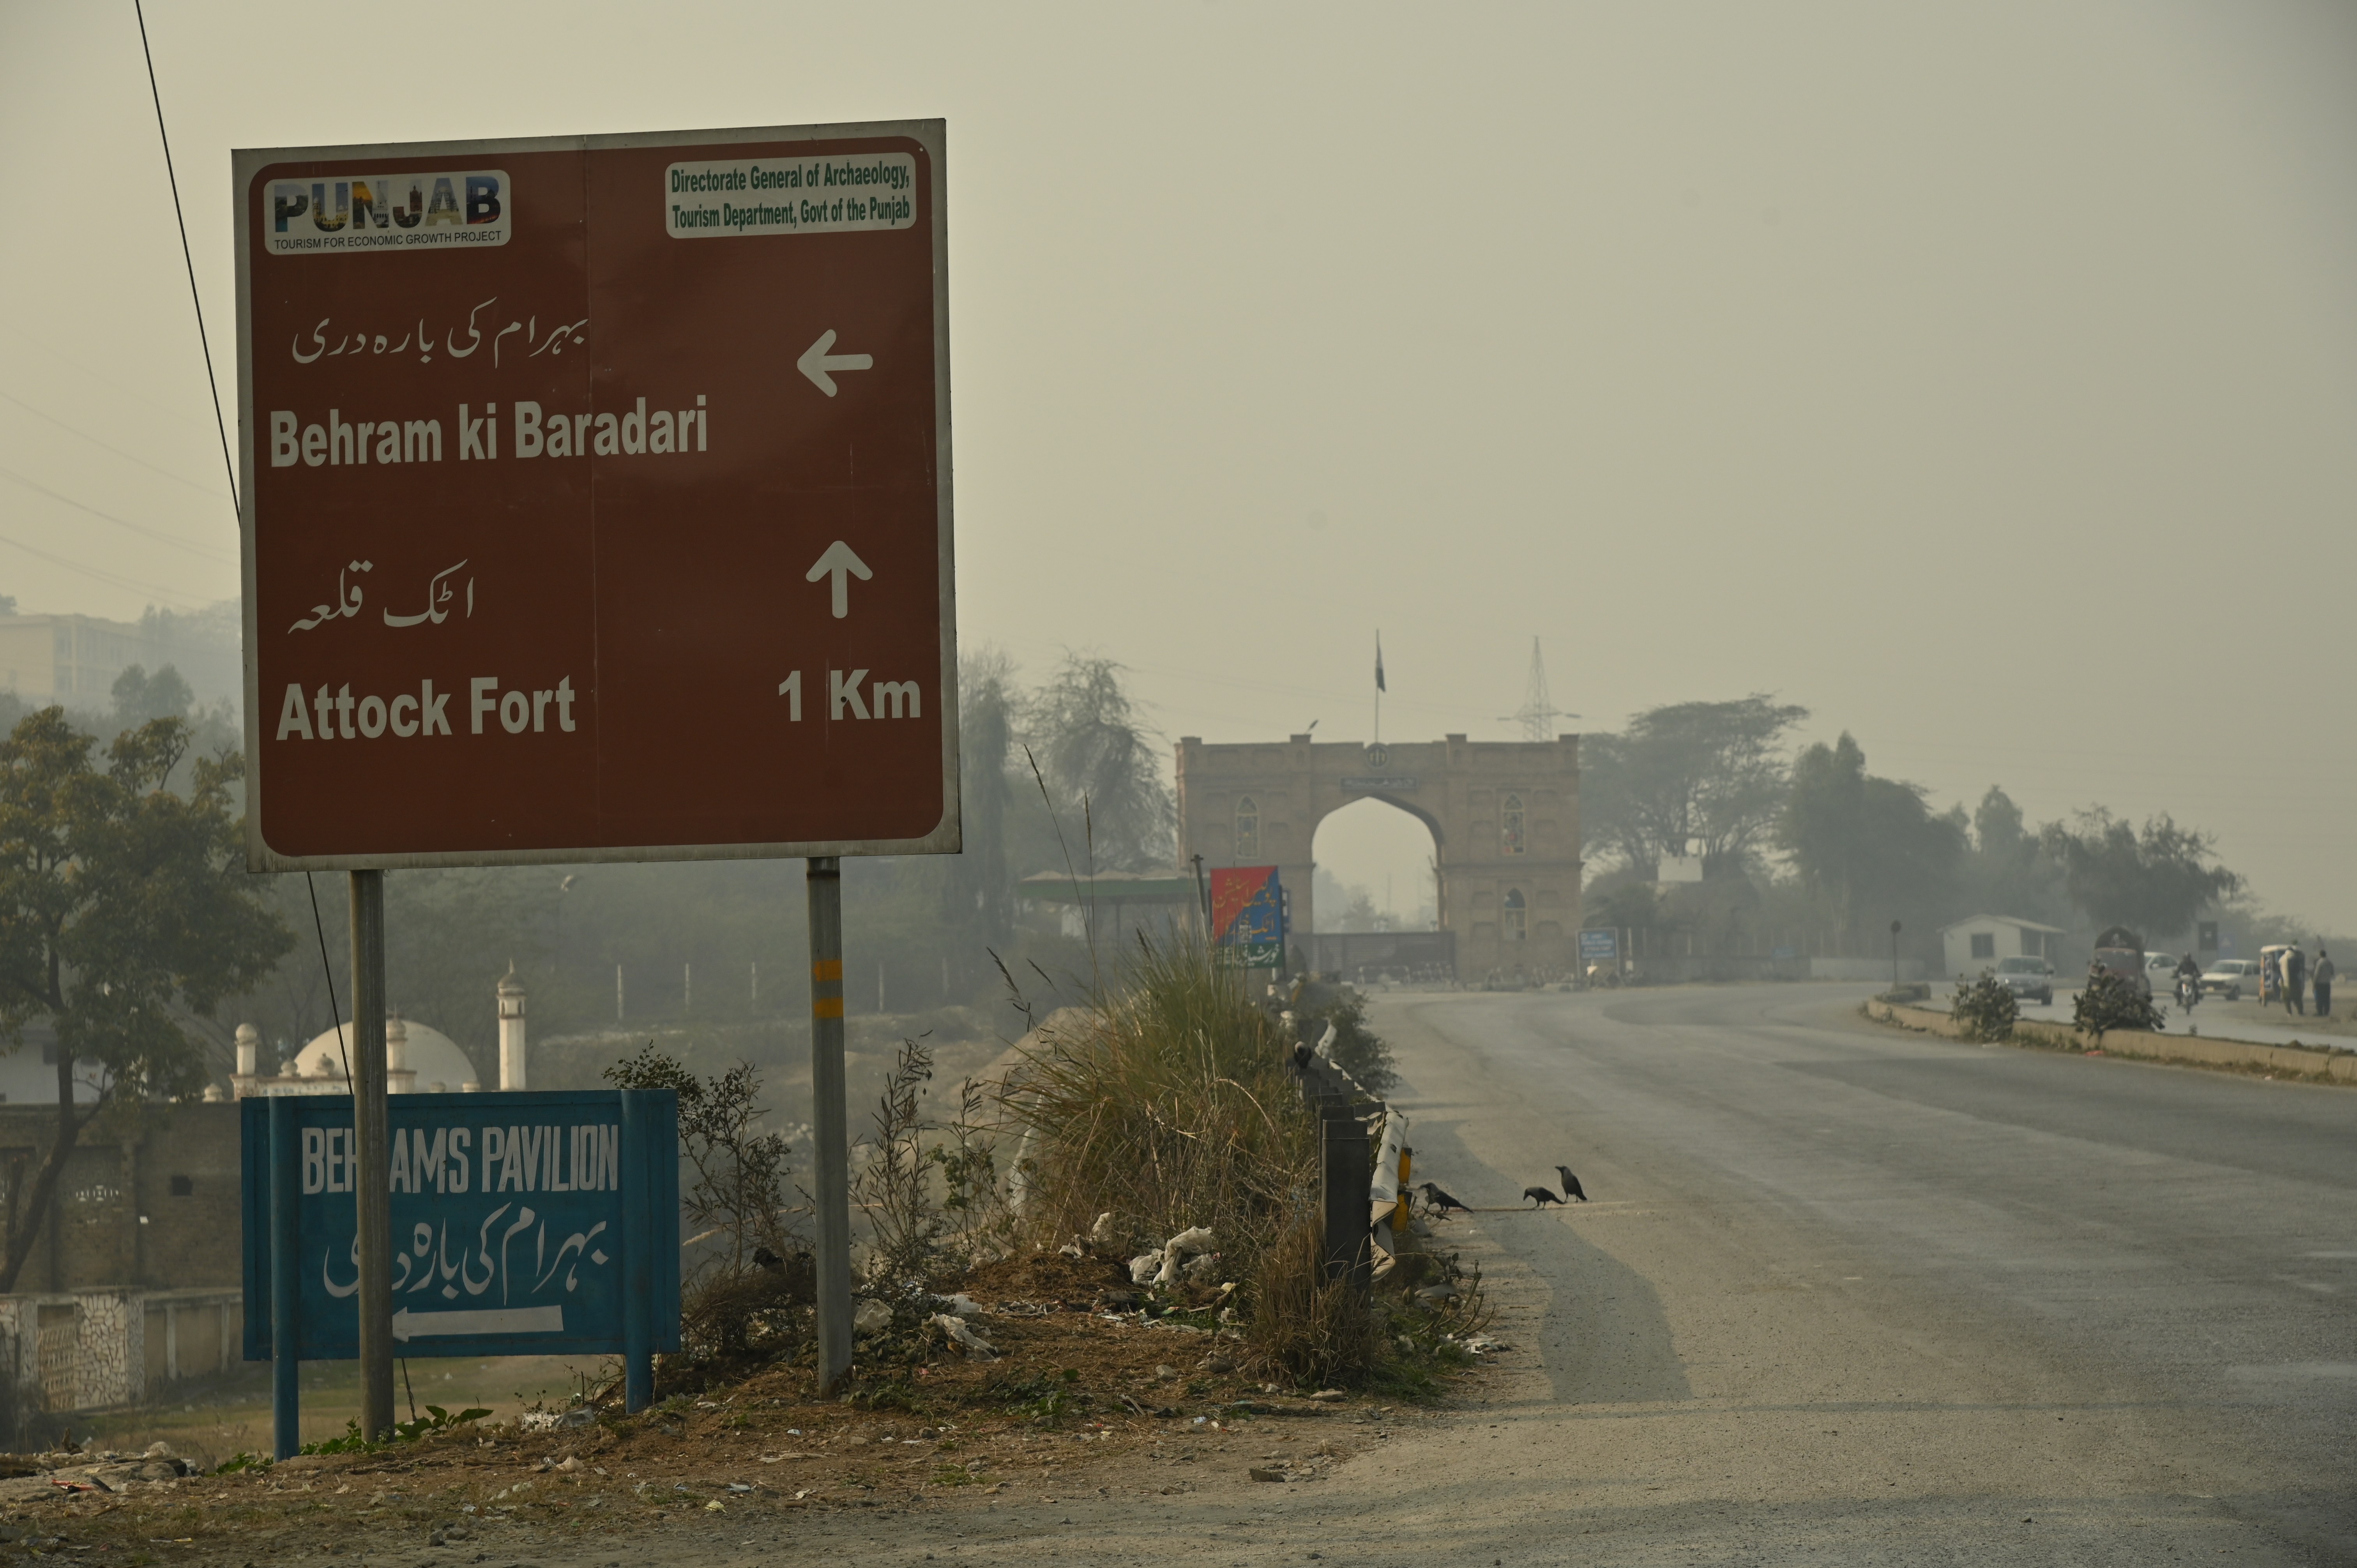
1379	687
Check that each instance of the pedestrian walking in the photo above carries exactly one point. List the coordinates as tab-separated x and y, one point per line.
2294	973
2322	981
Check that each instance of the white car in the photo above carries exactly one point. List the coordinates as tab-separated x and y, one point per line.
2227	977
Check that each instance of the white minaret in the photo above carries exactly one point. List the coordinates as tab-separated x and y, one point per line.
400	1077
511	1066
249	1060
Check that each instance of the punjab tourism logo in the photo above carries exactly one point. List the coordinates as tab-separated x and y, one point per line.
457	207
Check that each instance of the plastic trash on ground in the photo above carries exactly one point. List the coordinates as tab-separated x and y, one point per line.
957	1333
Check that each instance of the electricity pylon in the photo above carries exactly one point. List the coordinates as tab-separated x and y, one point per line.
1538	713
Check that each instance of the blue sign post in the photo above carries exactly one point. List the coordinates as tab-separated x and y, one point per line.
529	1223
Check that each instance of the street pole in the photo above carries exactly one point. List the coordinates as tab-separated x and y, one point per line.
374	1199
830	1119
1203	896
1894	958
285	1282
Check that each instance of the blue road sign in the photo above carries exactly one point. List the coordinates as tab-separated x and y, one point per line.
1600	947
529	1223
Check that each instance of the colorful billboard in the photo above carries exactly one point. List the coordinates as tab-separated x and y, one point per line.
1248	916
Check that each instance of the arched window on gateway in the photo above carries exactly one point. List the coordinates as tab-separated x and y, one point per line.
1247	832
1517	917
1511	839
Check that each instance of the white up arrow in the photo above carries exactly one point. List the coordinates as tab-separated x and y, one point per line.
816	363
840	561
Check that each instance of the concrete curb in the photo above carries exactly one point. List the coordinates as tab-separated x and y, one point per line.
2321	1064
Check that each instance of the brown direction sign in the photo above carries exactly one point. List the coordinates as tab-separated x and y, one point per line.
597	498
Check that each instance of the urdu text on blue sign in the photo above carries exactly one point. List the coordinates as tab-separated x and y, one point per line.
511	1224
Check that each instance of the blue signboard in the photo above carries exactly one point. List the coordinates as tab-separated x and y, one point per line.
1598	946
522	1223
1248	916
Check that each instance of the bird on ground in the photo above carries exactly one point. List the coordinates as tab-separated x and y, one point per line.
1440	1199
1541	1196
1571	1188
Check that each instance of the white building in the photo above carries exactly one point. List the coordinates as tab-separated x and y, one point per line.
74	658
417	1059
1971	946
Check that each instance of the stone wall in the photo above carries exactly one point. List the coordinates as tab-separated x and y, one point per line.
156	1209
98	1349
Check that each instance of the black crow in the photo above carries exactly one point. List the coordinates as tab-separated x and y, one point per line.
1570	1184
1441	1201
1541	1196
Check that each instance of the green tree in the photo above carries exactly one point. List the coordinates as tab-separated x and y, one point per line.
978	888
2009	872
139	696
124	909
1705	775
1998	828
1870	847
2156	880
1102	772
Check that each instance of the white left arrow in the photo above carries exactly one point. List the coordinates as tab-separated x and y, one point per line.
816	363
840	561
408	1324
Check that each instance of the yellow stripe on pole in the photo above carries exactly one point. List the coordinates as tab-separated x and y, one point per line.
826	1006
827	969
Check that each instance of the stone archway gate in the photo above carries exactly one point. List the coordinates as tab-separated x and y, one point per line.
1504	818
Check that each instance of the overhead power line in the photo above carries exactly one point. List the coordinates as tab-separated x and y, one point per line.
210	552
188	256
117	451
99	573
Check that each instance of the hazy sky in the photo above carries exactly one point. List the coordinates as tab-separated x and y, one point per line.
1982	376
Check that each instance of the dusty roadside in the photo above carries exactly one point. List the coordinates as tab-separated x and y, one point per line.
1081	1411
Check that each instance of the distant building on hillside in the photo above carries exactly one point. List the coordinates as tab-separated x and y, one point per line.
74	658
1971	946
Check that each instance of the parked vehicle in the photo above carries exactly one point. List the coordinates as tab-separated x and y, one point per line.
2271	972
2160	970
2030	979
2120	952
2228	976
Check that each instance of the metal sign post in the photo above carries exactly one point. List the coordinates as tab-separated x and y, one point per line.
529	1223
374	1227
831	1129
598	509
284	1274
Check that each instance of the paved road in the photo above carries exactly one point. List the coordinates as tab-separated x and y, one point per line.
1861	1296
1846	1296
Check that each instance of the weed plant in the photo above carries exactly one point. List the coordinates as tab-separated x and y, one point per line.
2110	1002
1169	1103
1985	1010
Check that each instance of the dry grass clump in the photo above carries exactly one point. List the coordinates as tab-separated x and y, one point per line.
1315	1330
1166	1102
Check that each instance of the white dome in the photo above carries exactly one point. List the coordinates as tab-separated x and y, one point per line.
433	1056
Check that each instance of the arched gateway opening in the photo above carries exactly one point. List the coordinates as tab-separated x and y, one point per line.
1375	870
1503	817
